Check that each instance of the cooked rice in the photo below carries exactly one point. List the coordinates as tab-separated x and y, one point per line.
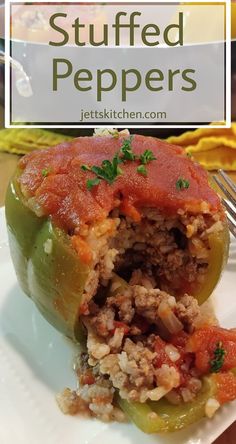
166	249
156	256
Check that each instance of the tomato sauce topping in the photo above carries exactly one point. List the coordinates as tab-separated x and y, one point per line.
204	342
63	194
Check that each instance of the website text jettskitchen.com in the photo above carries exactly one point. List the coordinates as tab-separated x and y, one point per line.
123	114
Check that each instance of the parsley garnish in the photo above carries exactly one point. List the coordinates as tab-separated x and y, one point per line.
85	168
219	357
92	182
109	169
189	154
182	183
147	157
142	170
127	150
45	172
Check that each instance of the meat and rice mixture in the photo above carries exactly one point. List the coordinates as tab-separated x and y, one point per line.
137	332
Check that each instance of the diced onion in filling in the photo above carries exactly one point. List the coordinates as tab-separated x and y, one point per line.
157	393
172	352
169	319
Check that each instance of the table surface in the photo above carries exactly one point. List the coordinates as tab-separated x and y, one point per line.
7	166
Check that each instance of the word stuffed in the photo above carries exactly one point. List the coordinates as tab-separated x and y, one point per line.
150	34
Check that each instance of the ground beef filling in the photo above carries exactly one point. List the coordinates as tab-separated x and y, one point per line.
127	352
172	250
136	333
128	340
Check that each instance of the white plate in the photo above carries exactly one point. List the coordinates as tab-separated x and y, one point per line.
36	362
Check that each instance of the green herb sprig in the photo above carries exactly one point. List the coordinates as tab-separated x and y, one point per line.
127	151
109	170
92	182
142	170
85	168
147	157
45	172
182	184
219	357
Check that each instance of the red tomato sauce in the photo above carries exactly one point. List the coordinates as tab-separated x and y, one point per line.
197	351
63	193
203	343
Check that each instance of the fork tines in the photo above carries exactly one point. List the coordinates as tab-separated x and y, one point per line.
230	193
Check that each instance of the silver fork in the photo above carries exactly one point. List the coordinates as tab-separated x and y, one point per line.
230	193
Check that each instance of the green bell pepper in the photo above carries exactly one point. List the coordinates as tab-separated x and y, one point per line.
161	416
218	255
54	279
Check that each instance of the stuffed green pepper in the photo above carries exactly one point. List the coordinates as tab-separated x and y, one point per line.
118	240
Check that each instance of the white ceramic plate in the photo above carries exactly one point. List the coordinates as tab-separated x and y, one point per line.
36	362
